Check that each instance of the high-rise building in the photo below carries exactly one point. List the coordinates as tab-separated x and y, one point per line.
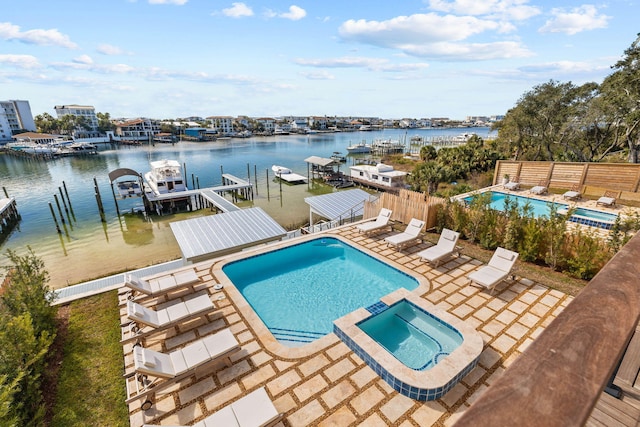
15	115
86	111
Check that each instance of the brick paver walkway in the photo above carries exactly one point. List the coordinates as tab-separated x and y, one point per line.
330	385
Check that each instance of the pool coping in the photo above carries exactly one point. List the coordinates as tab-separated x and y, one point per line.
420	385
264	335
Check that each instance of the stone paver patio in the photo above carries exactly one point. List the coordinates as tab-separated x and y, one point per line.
326	384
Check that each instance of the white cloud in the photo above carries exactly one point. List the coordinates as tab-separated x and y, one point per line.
83	59
372	64
517	10
295	13
176	2
238	10
20	61
107	49
9	31
414	29
578	19
318	75
433	36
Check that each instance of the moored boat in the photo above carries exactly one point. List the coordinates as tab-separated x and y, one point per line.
280	170
360	148
165	176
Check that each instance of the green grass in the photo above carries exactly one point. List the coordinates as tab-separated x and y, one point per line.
91	390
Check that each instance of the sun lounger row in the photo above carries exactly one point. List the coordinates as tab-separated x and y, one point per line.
145	321
154	371
253	410
160	285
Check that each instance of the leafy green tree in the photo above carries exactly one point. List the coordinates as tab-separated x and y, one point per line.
28	291
621	90
22	359
104	123
428	152
426	176
46	123
8	391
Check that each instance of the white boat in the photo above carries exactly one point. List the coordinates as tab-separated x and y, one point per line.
338	157
128	188
280	170
165	177
33	147
361	148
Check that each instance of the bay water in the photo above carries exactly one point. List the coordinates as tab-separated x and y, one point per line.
87	248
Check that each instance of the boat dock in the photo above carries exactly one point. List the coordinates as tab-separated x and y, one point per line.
203	197
9	215
291	177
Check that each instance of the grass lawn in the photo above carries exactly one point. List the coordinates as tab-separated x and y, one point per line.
90	390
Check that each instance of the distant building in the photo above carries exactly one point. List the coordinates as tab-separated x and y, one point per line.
223	125
86	111
15	115
137	129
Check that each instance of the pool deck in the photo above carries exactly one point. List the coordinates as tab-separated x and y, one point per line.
327	384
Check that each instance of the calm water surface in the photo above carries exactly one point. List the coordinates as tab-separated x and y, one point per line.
88	248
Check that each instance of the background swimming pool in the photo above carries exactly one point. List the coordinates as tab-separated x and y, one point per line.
543	208
298	291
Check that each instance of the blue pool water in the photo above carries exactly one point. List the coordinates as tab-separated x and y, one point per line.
543	208
415	337
298	291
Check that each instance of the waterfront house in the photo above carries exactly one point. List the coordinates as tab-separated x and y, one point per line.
379	176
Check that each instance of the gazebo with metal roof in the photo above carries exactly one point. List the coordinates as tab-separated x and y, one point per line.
215	235
338	206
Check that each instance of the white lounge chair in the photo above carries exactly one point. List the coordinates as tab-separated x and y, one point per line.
410	235
145	321
253	410
445	247
167	368
381	222
608	199
541	188
513	185
573	194
160	285
497	270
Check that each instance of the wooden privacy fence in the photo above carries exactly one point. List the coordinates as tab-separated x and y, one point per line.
593	178
406	205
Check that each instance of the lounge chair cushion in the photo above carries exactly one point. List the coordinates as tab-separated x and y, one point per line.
538	189
223	417
187	358
137	284
487	276
512	185
410	234
381	221
146	316
255	409
606	201
571	195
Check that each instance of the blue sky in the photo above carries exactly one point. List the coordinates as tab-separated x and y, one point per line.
178	58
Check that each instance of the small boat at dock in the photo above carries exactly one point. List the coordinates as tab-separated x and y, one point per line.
287	175
338	157
360	148
280	170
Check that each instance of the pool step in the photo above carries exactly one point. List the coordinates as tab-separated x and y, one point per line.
291	335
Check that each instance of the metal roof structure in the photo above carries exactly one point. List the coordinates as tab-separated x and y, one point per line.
320	161
210	236
338	205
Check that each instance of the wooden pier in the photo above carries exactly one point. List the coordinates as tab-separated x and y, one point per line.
200	198
9	215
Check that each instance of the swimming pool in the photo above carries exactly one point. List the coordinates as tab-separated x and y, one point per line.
541	208
299	290
436	377
414	336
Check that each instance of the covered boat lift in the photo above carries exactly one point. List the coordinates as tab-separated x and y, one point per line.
338	206
215	235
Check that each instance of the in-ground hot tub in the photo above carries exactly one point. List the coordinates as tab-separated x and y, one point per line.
418	349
